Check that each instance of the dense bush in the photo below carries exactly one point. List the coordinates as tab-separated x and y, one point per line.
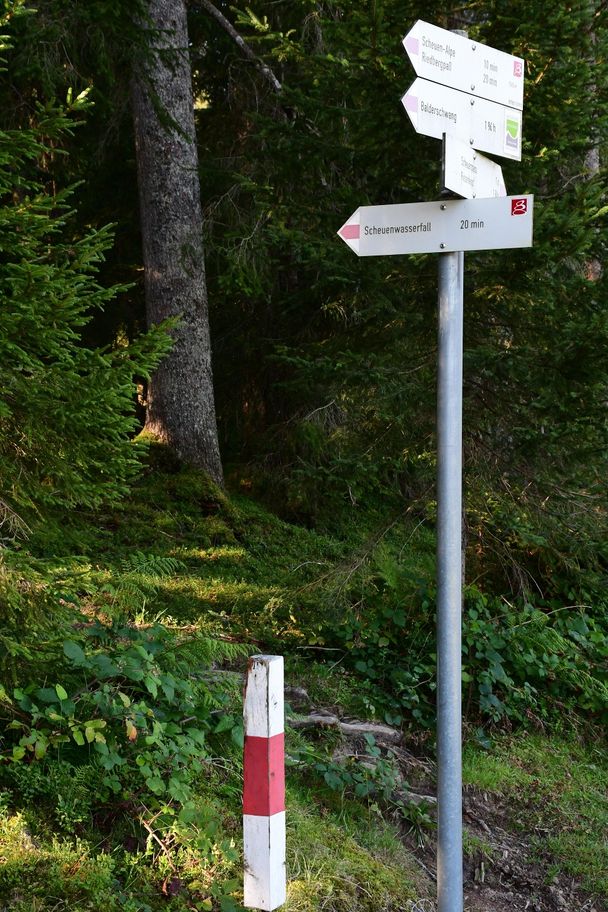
521	659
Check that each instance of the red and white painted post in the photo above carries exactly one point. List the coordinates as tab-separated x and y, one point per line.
265	881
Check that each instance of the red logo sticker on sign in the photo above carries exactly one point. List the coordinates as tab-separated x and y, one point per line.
519	206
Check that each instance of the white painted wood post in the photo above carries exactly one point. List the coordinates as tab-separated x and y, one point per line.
265	880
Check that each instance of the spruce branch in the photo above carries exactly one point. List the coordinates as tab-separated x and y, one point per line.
263	68
11	524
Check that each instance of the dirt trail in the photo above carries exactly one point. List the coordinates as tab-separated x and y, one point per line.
503	871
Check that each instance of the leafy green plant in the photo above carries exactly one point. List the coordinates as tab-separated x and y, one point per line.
389	642
365	775
533	659
370	775
521	659
131	705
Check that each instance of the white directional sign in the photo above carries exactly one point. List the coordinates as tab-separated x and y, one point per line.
459	63
469	173
484	125
440	227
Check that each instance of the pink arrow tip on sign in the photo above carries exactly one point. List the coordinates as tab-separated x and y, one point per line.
411	45
410	103
350	232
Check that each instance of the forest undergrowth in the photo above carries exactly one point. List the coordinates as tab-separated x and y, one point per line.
123	647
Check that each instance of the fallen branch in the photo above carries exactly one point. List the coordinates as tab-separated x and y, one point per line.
351	729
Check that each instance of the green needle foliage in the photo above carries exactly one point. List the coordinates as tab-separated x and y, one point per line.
66	410
335	386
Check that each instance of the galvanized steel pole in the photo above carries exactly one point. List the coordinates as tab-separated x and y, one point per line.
449	584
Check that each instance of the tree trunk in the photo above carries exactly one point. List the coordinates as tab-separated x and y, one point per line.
594	269
181	409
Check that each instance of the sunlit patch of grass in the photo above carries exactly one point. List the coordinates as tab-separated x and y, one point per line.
225	554
573	783
339	866
492	772
62	875
193	594
584	854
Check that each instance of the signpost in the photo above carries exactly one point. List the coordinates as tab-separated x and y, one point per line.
435	109
468	66
471	97
469	173
442	226
450	897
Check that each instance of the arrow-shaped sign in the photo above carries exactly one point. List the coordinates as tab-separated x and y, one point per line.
440	227
434	110
469	173
457	62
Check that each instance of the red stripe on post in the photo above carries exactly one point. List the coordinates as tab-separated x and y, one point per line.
264	775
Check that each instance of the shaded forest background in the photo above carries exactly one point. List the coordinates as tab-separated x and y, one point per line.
324	367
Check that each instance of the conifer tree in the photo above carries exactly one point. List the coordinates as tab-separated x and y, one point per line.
66	410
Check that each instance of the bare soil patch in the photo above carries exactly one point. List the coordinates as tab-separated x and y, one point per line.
504	868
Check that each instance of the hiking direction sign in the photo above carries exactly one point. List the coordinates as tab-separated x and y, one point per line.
457	62
440	227
436	109
464	89
469	173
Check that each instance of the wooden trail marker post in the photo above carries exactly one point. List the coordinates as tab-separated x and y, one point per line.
265	880
465	93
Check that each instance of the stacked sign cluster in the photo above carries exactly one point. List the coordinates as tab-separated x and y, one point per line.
471	96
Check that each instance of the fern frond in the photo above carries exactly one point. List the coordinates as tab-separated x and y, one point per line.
138	582
537	635
206	652
155	565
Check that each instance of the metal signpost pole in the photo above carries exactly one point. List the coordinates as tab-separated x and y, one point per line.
472	96
449	584
450	343
450	336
